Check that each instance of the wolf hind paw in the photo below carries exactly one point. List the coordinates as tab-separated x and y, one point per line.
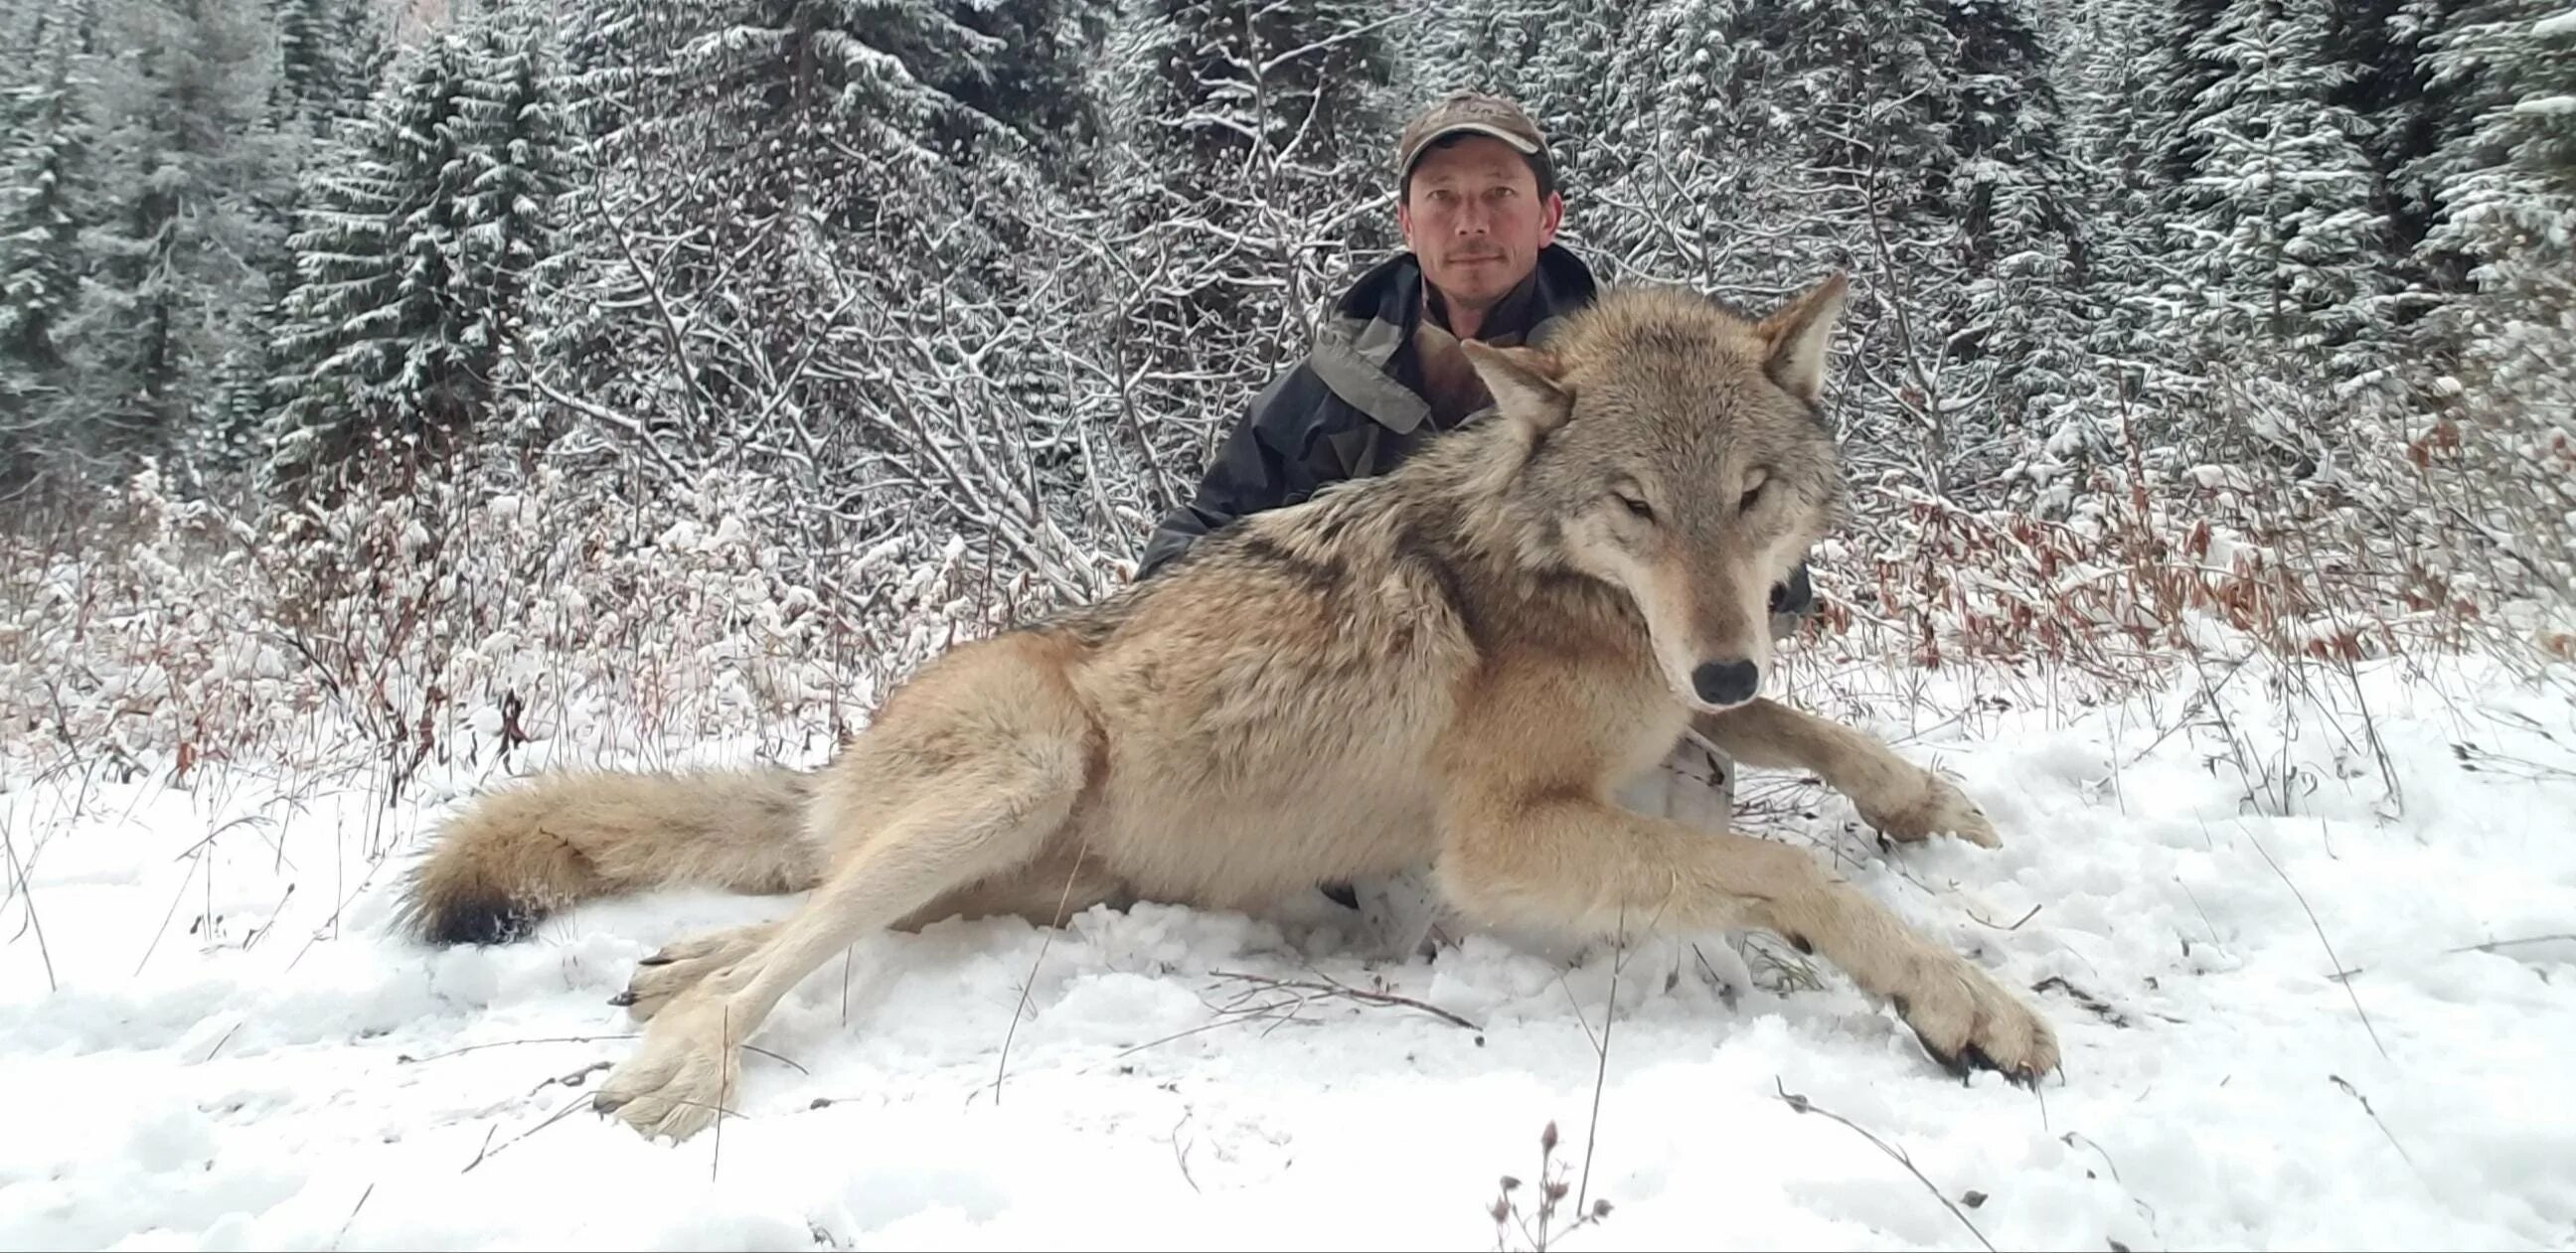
677	1086
682	965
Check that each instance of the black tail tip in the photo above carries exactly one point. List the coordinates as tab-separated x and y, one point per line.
476	920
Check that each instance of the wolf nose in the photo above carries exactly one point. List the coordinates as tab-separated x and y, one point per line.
1726	682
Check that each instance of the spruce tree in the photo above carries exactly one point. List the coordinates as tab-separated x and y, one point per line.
2402	117
188	163
419	252
2121	55
2275	229
2506	204
48	197
329	54
517	155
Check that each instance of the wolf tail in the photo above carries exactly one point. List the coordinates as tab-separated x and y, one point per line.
517	855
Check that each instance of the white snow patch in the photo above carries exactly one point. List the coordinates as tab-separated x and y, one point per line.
201	1055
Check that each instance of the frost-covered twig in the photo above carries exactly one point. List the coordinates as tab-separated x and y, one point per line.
1805	1106
2336	963
670	322
643	438
25	890
1329	986
1601	1061
406	1058
2355	1093
2493	945
1073	871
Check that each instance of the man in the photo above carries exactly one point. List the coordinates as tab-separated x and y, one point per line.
1479	207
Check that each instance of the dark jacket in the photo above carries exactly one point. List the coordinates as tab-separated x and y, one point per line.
1354	406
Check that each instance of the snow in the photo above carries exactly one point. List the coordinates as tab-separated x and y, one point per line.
198	1057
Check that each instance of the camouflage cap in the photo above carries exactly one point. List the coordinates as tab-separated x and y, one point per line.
1470	111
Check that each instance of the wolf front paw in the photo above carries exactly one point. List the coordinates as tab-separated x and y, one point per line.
676	1086
1969	1022
1936	807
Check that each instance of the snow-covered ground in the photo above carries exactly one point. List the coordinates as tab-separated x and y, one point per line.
196	1055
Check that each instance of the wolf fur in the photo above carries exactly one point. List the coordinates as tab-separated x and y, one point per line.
1454	665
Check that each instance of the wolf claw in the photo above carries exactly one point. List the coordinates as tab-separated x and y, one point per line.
1972	1058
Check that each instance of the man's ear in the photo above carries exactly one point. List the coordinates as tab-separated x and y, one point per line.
1527	383
1799	334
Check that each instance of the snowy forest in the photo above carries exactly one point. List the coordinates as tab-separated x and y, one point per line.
400	397
503	370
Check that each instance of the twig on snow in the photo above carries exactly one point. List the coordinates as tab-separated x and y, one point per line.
1805	1106
2321	939
406	1058
1334	987
18	878
1002	1065
2355	1093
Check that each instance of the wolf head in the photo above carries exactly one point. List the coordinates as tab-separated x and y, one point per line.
1673	450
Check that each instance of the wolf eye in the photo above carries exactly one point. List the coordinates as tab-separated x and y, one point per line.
1752	496
1635	506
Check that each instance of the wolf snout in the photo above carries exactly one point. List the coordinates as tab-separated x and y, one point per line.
1726	682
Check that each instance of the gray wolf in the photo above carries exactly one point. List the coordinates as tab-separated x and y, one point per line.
1452	664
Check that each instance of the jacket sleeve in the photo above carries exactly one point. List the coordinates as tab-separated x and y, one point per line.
1273	457
1792	603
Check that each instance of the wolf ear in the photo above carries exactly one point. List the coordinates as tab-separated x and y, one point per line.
1799	334
1527	383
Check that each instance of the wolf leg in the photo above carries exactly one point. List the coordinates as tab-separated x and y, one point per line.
1064	879
981	823
1058	884
1904	801
1555	858
925	804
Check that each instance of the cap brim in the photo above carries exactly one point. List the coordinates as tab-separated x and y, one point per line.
1519	143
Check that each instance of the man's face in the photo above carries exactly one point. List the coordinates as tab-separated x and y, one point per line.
1476	220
